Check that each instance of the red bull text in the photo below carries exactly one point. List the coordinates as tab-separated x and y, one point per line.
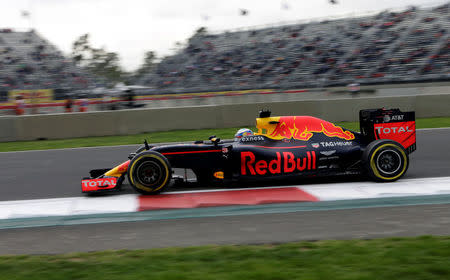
303	127
284	162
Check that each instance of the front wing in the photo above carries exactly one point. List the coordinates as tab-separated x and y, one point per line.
101	184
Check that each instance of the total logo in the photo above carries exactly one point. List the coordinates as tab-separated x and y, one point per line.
285	162
98	183
393	129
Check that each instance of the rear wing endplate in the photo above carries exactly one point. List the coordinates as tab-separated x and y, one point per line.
389	124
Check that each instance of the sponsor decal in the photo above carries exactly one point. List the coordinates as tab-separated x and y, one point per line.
388	118
95	184
402	132
336	144
32	95
219	175
252	139
284	162
328	153
225	150
302	128
393	129
328	158
315	145
331	166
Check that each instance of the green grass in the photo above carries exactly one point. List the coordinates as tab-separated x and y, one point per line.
169	136
423	257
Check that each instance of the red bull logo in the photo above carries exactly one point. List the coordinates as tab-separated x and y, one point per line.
303	128
285	162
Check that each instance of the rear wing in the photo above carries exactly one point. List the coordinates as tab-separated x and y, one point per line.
389	124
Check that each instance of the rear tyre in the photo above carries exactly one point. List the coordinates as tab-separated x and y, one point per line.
385	160
149	172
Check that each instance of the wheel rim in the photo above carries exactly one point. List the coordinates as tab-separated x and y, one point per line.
149	173
389	161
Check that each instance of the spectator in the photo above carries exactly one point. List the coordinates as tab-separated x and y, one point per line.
20	105
68	105
129	98
34	100
83	103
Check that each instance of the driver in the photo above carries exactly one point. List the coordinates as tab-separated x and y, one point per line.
241	133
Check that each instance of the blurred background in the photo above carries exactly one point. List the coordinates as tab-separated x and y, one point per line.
66	56
132	69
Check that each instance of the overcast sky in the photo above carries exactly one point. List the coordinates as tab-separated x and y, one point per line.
133	27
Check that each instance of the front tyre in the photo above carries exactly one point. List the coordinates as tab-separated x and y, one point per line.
141	149
149	172
385	160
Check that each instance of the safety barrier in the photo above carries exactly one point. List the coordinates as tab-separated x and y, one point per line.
59	126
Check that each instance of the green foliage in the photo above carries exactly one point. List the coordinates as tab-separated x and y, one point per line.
147	66
397	258
97	60
201	31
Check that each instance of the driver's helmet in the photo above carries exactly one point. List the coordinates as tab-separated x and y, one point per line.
241	133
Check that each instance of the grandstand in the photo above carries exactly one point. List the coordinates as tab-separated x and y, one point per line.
28	61
390	47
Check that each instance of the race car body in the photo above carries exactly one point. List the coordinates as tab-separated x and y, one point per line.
293	147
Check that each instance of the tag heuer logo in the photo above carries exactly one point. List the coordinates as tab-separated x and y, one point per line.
315	145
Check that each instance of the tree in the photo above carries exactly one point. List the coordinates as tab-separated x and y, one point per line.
147	66
201	31
97	60
81	50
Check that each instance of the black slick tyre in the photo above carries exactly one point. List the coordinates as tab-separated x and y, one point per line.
385	160
149	172
141	149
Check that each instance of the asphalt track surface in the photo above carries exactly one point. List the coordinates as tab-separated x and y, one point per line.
57	173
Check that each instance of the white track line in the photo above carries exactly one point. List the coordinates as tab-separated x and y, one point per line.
68	206
361	190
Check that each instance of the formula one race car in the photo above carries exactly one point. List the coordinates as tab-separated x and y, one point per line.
292	147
